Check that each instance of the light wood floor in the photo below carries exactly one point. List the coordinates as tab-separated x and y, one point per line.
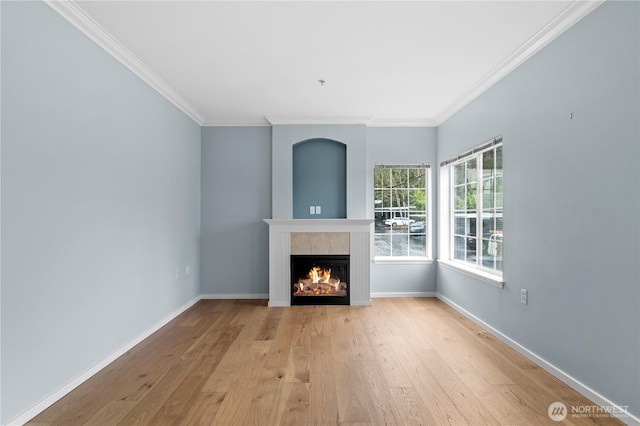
398	362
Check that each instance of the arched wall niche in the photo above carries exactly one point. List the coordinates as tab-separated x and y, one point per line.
319	179
354	137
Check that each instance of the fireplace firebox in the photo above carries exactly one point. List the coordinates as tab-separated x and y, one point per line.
320	279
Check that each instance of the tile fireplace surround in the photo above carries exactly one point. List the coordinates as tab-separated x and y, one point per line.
304	233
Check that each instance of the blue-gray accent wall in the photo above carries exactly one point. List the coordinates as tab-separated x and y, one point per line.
236	197
571	202
100	205
320	179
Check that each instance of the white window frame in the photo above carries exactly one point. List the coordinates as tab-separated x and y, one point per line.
446	216
428	257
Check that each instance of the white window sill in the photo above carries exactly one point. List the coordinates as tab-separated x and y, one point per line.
489	277
402	260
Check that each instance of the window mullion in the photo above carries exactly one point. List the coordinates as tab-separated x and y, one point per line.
479	210
452	212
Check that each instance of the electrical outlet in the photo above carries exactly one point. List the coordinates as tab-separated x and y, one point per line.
318	209
177	274
312	209
524	297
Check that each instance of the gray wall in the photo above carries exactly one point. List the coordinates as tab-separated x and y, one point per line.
398	145
237	191
320	179
100	205
236	197
572	202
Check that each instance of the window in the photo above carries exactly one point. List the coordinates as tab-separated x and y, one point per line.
401	208
473	213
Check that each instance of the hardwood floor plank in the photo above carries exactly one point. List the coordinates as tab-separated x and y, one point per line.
267	398
205	409
323	404
379	397
281	345
298	366
234	410
270	324
411	407
432	393
206	353
401	361
320	321
295	410
237	357
350	391
302	332
112	413
390	366
159	394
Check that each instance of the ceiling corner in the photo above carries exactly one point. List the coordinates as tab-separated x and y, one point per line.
70	11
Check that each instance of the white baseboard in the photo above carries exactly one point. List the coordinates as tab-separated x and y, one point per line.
46	402
409	294
235	296
585	390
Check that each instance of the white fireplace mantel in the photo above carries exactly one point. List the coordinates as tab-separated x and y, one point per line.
279	255
320	225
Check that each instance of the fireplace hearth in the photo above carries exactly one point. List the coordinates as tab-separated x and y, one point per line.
320	280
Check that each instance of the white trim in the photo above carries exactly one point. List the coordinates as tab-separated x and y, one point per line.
300	119
69	10
55	396
544	364
295	120
224	296
319	225
232	123
403	294
402	122
402	260
573	13
488	277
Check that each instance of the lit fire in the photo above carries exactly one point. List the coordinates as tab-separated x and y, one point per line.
320	282
319	275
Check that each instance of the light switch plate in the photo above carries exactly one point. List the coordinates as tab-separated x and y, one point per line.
312	209
318	209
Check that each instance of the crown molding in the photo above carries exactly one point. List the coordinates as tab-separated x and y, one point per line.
70	11
402	122
573	13
317	120
232	122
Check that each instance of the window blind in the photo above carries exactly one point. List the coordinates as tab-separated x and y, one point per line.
483	146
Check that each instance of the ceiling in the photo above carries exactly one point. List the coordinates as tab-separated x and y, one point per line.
382	62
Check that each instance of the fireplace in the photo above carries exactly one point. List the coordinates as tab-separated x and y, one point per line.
320	279
319	237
